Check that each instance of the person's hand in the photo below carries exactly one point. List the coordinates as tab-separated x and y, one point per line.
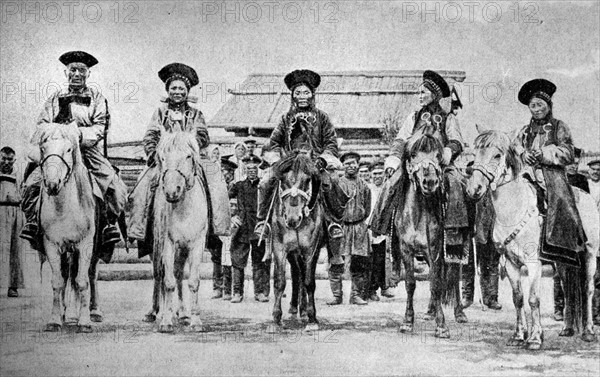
529	158
236	221
537	154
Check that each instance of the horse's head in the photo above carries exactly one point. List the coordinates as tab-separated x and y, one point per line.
423	163
59	152
178	155
494	156
297	190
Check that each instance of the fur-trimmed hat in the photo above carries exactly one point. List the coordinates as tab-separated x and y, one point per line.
78	57
302	76
436	84
539	88
178	71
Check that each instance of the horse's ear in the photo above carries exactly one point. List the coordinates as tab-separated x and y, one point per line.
481	129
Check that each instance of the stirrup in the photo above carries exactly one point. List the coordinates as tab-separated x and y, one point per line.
110	235
258	229
335	231
29	232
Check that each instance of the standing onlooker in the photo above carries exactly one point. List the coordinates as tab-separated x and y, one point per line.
226	264
11	221
240	151
250	144
245	240
594	185
364	171
356	246
378	244
215	154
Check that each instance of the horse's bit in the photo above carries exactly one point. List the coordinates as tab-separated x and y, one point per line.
490	176
413	168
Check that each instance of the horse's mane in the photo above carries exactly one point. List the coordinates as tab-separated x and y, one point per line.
425	143
298	162
502	141
46	131
179	140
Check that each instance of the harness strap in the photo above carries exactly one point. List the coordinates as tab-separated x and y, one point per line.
518	229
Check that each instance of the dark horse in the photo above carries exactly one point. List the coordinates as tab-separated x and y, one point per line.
297	235
419	228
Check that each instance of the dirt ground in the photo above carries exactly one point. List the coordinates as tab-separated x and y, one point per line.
352	340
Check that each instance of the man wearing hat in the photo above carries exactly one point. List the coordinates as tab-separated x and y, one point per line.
594	185
245	240
546	148
305	127
250	146
88	109
364	171
356	245
378	244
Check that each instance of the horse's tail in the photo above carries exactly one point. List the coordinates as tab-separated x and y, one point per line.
575	289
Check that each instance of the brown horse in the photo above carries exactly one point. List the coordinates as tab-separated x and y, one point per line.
419	228
297	231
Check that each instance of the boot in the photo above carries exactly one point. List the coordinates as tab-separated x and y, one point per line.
257	272
355	296
264	197
365	286
490	288
559	298
238	285
217	281
226	287
468	286
13	292
29	205
335	281
110	233
387	292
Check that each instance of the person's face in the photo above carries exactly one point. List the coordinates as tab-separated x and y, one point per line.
228	175
364	174
7	161
233	207
302	95
240	151
425	96
351	167
215	154
252	172
77	75
250	147
178	92
595	172
377	177
539	108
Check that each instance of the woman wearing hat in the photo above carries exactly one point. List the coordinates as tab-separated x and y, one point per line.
546	148
433	119
175	114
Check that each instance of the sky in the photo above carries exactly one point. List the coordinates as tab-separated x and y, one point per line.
500	45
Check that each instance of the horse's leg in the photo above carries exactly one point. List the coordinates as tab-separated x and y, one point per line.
156	287
568	329
459	313
279	286
302	273
588	334
183	311
95	313
436	279
514	277
86	251
166	324
72	296
309	282
410	283
195	258
295	287
536	337
58	287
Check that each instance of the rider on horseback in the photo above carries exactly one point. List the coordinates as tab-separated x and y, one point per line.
87	108
304	125
546	148
430	119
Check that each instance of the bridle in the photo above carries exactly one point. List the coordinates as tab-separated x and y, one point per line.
412	168
294	192
491	176
69	168
188	185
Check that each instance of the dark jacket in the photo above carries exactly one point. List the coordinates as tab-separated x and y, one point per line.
245	192
580	181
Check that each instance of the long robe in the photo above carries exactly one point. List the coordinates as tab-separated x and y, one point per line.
11	221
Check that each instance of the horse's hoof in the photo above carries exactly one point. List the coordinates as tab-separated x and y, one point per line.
87	328
71	322
515	342
311	327
461	318
53	327
568	332
150	317
185	321
442	333
273	328
406	327
304	317
293	311
588	336
96	317
533	346
165	328
429	316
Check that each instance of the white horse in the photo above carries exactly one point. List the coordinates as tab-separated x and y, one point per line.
517	231
67	217
180	226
